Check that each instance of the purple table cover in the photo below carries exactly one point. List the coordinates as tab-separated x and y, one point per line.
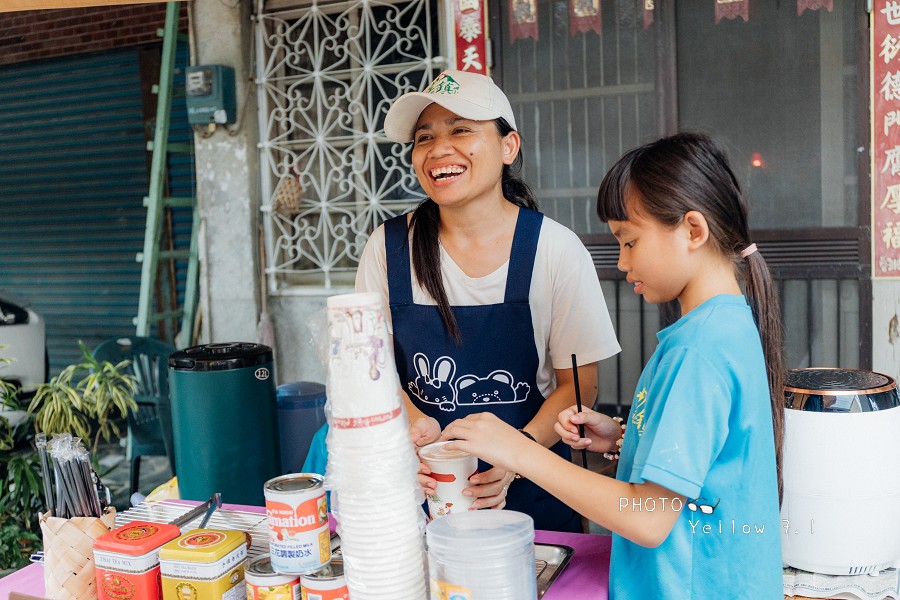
586	577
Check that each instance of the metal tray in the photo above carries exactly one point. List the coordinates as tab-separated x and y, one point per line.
549	562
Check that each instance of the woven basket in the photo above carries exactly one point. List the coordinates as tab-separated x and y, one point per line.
69	554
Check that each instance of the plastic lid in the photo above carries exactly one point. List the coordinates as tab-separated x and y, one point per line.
137	538
438	452
203	545
300	394
837	381
220	357
839	391
473	535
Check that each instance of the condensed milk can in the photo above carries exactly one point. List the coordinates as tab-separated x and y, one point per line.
263	583
127	560
326	584
297	511
204	564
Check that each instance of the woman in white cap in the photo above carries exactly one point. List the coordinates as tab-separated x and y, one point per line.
488	299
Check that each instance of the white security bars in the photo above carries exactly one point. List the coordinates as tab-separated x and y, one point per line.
326	75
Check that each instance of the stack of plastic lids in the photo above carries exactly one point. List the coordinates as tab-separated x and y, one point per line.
482	554
372	464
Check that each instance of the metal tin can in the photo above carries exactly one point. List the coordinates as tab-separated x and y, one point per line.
263	583
326	584
297	511
127	560
204	563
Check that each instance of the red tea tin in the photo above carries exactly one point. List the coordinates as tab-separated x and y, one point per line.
127	560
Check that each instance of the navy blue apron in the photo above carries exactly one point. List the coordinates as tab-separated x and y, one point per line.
495	366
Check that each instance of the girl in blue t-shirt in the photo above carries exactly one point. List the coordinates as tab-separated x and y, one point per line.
694	508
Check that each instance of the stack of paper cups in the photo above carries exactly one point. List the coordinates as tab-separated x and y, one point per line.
372	464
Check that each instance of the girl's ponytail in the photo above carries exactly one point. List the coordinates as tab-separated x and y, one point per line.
763	299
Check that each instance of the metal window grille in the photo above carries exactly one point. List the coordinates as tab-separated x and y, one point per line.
326	75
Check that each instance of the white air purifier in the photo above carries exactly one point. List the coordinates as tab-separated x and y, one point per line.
841	507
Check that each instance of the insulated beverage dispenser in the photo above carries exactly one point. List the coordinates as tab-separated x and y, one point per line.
224	422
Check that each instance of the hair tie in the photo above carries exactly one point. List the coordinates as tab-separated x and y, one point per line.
748	250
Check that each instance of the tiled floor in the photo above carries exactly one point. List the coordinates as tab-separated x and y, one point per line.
116	475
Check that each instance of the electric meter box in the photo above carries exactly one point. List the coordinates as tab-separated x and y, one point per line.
209	91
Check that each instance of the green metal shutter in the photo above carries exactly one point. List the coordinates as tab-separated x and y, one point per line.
72	180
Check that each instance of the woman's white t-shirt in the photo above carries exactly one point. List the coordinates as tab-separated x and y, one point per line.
568	309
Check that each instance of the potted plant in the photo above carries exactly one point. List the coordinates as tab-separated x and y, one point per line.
20	484
85	399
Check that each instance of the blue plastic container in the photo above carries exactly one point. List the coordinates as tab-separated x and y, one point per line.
301	411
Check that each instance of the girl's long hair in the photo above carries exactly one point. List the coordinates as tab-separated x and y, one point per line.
689	171
425	223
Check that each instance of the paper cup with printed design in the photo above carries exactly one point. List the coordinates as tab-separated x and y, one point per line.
451	469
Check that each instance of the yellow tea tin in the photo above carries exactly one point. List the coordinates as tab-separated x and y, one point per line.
204	564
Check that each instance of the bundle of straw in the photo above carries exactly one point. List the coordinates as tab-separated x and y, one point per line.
76	484
76	515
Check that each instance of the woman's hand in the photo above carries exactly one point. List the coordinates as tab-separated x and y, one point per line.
423	431
490	488
604	431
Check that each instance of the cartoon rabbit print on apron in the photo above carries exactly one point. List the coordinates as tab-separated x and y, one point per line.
436	385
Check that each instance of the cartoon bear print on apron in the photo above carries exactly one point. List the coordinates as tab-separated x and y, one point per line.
494	368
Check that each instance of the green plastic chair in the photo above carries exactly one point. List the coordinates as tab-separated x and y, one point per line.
150	428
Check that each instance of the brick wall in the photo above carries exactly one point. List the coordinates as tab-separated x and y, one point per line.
38	34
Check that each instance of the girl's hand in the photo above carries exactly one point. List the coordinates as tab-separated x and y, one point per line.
603	432
490	488
487	437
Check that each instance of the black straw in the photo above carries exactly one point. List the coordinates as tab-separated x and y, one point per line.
578	404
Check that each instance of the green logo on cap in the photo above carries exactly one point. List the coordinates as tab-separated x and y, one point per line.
444	84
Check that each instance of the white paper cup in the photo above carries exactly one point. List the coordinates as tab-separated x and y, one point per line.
451	469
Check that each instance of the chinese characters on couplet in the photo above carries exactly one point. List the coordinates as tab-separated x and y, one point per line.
470	35
886	139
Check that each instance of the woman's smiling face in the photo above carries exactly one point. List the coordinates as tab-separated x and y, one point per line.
456	159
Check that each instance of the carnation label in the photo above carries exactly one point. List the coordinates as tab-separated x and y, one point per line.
297	511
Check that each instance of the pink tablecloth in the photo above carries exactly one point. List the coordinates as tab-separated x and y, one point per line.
585	578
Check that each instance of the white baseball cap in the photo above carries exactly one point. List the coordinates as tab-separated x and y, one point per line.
469	95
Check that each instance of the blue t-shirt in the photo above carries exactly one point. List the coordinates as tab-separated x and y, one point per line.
317	456
701	426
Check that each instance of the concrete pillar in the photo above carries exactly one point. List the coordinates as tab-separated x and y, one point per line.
227	181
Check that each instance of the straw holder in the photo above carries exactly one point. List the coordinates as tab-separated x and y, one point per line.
69	554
